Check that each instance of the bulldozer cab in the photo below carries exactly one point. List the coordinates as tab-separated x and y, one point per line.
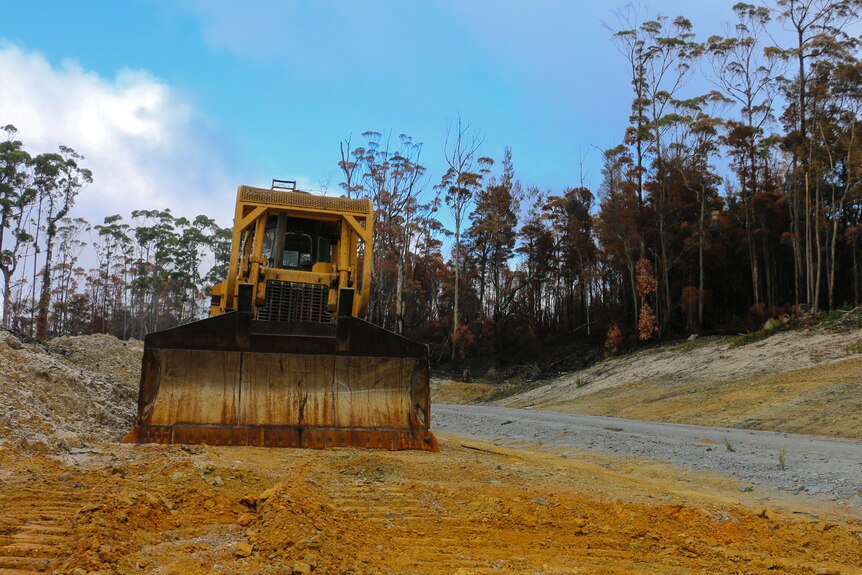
286	358
297	242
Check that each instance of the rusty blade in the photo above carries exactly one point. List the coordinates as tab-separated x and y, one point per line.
228	380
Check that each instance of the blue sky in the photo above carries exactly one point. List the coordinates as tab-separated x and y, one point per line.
175	103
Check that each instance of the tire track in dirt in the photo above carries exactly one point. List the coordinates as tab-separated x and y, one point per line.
36	531
412	522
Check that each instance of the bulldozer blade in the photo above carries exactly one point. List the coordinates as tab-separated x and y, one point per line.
231	380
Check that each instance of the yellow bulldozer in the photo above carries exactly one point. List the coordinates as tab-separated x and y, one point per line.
285	358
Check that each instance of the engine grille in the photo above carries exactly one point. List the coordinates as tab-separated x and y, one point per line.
294	301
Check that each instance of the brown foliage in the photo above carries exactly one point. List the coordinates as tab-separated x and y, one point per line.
646	282
647	326
465	339
614	340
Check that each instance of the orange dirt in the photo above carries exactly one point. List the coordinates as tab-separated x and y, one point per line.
472	508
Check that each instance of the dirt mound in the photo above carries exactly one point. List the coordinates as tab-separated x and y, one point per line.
102	354
705	359
801	380
74	391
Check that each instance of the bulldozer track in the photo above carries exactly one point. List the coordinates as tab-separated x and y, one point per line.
36	531
417	524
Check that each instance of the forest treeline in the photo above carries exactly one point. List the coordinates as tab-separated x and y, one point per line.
147	273
717	210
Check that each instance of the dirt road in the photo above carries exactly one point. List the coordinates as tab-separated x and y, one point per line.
825	468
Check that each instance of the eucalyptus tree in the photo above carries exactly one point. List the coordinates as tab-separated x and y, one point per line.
837	131
490	242
67	270
58	179
17	196
694	151
819	27
459	184
745	70
155	234
571	218
391	175
660	52
113	247
620	234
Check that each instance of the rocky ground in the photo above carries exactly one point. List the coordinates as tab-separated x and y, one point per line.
68	394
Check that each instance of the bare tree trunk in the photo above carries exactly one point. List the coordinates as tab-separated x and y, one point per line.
700	260
665	273
809	264
752	251
35	275
794	243
818	248
767	266
587	305
7	296
855	275
831	264
631	266
457	288
45	295
399	295
837	208
806	162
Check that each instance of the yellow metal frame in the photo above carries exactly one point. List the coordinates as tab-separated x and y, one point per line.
247	264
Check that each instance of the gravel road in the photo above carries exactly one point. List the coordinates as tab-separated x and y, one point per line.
826	468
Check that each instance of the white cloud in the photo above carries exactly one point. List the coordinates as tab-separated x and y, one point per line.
146	144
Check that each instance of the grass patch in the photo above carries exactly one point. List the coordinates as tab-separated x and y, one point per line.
834	315
695	343
842	319
772	327
752	337
514	387
854	349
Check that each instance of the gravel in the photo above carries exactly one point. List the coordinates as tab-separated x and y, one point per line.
67	394
828	468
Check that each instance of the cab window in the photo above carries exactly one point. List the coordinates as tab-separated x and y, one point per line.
297	250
